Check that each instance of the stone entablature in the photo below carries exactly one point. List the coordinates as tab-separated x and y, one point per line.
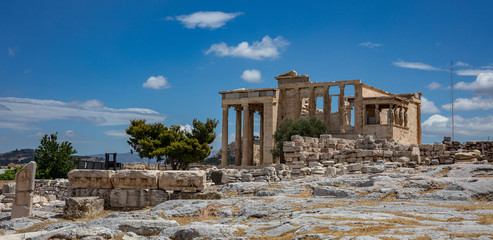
370	111
134	188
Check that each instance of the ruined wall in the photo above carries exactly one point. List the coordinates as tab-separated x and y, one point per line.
134	188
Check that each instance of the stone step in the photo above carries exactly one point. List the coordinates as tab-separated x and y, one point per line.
9	195
7	210
7	200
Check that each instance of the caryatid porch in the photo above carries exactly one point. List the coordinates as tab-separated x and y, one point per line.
246	102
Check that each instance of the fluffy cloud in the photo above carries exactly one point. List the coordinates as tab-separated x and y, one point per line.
267	48
415	65
11	52
252	75
434	85
462	64
439	126
116	133
483	84
428	106
370	45
468	104
211	20
158	82
25	112
472	72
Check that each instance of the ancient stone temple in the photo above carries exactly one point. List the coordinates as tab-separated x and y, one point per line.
368	111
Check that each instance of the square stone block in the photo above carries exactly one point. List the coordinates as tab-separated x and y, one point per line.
86	178
184	181
135	179
82	207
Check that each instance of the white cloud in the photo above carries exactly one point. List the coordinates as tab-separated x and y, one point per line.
462	64
116	133
439	126
70	133
158	82
483	84
37	135
252	75
415	65
487	66
428	106
211	20
468	104
25	112
472	72
11	52
434	85
370	44
267	48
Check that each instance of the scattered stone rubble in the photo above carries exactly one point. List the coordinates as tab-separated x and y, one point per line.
448	202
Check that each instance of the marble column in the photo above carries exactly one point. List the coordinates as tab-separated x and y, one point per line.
377	114
269	126
261	160
246	135
251	139
297	105
238	137
327	107
390	115
312	109
224	152
342	111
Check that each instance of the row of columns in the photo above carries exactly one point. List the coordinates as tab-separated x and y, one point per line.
244	145
397	116
327	105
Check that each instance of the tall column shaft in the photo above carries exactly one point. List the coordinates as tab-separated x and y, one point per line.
327	108
342	111
269	126
224	156
250	139
238	138
246	134
312	103
261	160
297	105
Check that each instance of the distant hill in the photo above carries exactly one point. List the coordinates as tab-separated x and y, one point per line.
126	158
22	156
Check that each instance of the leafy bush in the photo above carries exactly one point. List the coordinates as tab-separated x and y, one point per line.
289	127
54	159
10	173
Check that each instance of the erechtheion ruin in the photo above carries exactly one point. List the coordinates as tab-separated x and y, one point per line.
370	111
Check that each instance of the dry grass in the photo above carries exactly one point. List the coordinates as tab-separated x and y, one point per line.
393	221
455	219
240	232
466	207
2	182
485	219
469	235
443	173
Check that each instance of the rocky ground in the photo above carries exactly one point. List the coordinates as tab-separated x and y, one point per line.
443	202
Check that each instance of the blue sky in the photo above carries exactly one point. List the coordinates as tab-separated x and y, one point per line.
85	68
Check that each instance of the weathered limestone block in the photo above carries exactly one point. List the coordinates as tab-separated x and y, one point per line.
85	178
136	198
146	227
102	193
200	195
24	187
82	207
8	188
373	169
136	179
219	177
185	181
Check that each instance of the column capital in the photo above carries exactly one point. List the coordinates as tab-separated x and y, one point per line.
225	106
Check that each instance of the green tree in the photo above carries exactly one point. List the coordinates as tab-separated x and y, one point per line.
54	159
174	145
288	127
